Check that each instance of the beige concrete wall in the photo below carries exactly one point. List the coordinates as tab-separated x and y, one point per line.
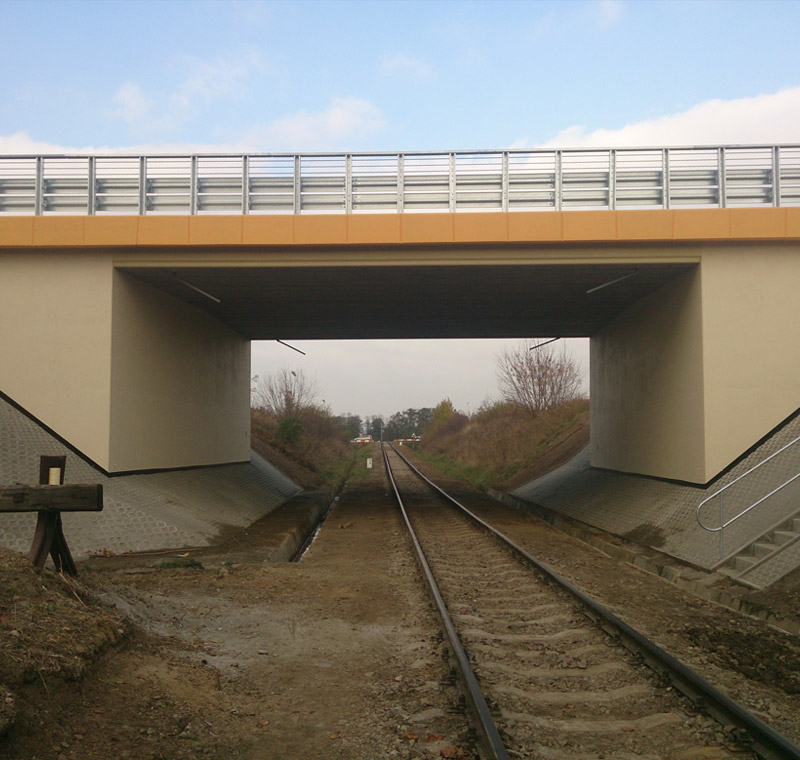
751	345
55	341
688	379
180	383
647	413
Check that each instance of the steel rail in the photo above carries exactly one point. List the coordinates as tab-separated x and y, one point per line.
751	730
490	737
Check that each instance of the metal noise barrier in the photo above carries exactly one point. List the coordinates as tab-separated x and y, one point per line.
478	180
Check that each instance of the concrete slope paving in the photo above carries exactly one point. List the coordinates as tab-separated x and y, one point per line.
141	512
661	514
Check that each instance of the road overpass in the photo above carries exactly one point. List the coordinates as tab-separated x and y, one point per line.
132	286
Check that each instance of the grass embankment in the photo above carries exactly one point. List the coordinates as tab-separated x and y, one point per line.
49	627
310	447
502	446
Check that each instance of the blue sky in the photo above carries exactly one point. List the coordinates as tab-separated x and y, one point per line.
361	76
376	75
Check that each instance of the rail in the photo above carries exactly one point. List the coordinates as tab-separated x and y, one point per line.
489	736
502	180
725	523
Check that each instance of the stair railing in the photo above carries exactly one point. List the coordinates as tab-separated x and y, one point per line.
719	494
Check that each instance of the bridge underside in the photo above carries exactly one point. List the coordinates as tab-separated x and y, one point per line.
130	337
352	302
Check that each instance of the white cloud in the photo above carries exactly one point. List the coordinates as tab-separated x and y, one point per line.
609	12
405	66
768	118
343	121
130	104
205	81
21	143
222	77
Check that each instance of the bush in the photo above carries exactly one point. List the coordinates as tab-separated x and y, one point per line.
498	441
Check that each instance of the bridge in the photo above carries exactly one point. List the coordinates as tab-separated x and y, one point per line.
132	286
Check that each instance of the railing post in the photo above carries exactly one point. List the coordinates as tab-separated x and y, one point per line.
193	186
557	200
401	174
298	198
721	530
245	184
348	184
91	186
452	184
776	176
612	180
722	189
38	187
142	185
504	190
665	199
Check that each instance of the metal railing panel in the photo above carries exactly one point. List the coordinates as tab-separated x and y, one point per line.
117	185
774	482
693	177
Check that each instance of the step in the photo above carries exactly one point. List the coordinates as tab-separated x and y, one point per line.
781	537
795	524
741	562
763	548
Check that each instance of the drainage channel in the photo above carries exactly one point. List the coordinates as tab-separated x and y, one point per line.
306	545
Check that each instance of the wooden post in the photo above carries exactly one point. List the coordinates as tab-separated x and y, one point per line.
49	535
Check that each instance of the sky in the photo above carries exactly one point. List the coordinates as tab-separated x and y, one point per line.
185	76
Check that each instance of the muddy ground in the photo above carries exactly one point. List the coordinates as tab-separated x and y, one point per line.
337	656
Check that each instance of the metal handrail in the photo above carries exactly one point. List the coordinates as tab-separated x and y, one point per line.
721	527
476	180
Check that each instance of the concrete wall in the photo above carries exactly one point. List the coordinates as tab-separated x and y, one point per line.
647	402
689	378
129	376
751	345
55	342
180	383
683	382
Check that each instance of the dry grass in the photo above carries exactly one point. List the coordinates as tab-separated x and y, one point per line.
311	445
499	441
48	623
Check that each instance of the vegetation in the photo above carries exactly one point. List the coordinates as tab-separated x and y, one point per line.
537	377
286	418
498	441
540	405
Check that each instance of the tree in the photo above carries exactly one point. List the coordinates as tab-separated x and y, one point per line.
284	393
537	378
350	423
408	423
373	426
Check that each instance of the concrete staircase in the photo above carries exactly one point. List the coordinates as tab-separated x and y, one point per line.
763	553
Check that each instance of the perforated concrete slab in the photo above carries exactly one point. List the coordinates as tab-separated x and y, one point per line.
662	514
141	512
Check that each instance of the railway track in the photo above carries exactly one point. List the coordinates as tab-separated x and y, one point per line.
548	673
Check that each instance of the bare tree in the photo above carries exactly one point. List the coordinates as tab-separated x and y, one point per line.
537	378
284	393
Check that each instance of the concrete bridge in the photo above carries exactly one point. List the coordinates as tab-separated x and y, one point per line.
131	287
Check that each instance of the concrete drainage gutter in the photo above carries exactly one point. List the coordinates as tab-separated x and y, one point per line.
654	565
308	511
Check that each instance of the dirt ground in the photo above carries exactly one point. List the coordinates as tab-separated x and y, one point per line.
337	656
